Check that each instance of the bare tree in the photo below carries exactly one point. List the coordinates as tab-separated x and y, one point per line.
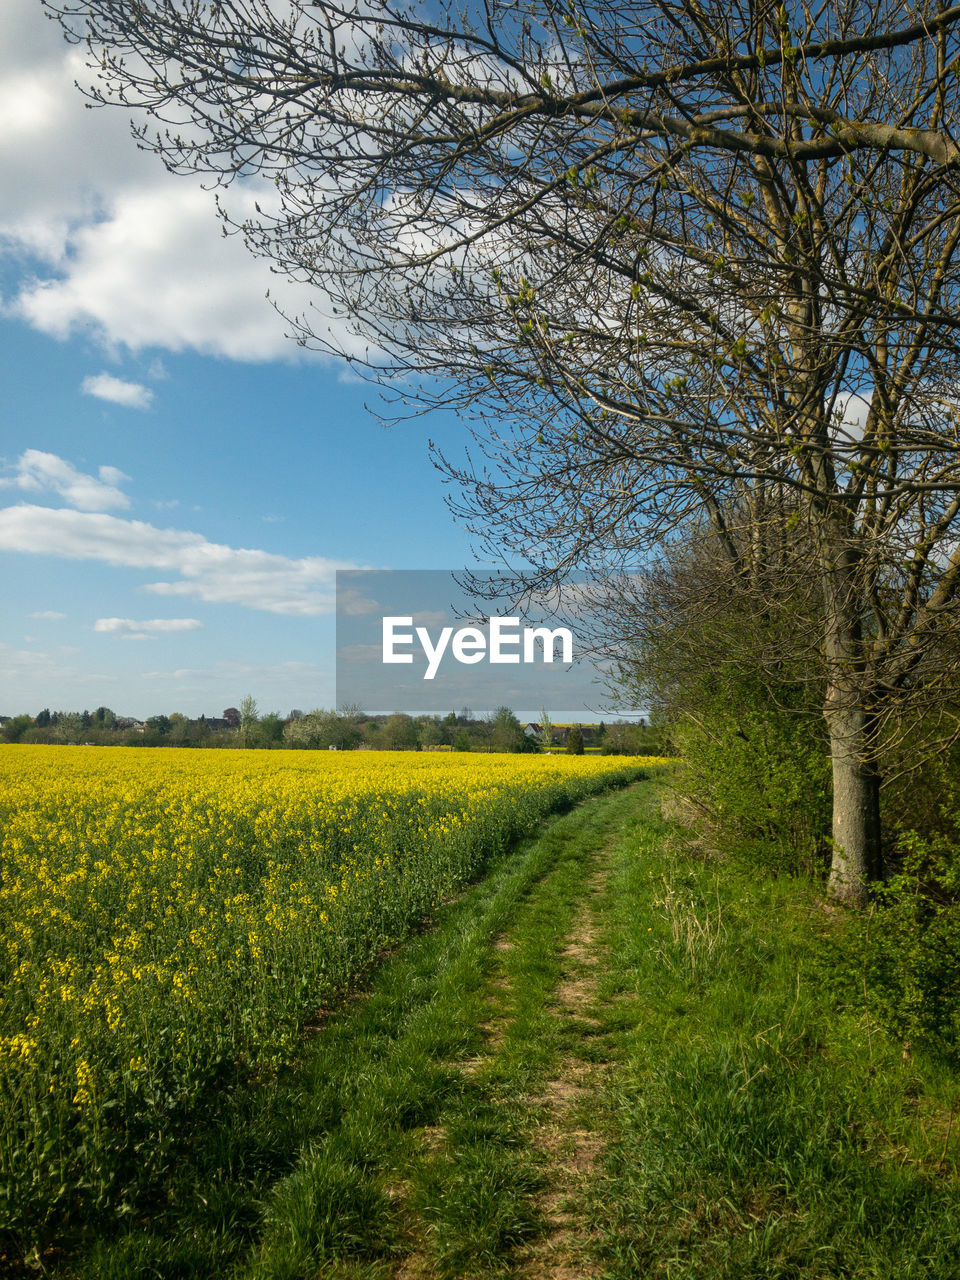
672	256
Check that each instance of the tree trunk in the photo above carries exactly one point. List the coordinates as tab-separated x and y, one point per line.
856	804
851	724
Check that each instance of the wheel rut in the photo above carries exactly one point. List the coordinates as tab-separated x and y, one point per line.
568	1144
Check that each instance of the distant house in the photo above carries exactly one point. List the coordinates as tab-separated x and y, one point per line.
533	730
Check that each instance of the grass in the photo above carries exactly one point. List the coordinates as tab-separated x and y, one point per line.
758	1126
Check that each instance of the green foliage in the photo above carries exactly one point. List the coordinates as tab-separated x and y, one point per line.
398	733
320	730
626	738
922	791
720	657
760	780
905	954
909	947
15	728
270	730
575	741
249	720
430	732
506	733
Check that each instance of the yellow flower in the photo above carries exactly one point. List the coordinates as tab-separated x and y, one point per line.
170	901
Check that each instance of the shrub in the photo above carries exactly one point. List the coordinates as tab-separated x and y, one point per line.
909	947
759	781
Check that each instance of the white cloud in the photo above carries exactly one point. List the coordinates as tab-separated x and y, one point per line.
150	625
207	571
48	615
155	271
117	247
132	395
38	471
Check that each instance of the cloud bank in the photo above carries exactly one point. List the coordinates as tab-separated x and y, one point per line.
207	571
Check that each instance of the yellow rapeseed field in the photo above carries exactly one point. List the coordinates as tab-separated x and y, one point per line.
168	918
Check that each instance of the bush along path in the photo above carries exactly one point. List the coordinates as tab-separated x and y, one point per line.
605	1060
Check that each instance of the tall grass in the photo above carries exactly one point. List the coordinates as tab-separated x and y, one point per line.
760	1124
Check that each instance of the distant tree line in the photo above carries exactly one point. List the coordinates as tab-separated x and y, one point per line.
346	729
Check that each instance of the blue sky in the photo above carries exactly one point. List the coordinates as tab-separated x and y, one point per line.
178	482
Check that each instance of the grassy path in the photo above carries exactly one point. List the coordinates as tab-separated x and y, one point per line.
604	1061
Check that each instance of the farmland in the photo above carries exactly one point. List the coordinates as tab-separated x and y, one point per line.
169	920
290	1015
